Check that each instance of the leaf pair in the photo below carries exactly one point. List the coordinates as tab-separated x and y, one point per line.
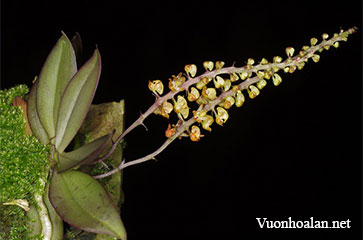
61	96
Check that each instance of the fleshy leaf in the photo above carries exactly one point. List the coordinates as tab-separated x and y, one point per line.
85	154
83	203
76	101
33	117
56	72
57	222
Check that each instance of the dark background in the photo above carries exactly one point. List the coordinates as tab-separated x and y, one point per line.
294	151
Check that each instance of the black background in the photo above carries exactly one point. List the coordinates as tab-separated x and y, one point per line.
294	151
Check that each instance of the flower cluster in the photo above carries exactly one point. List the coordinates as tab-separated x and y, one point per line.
219	88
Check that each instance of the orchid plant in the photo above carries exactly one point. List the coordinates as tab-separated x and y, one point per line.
74	143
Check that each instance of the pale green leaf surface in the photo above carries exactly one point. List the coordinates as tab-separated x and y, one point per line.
56	72
83	203
33	117
76	101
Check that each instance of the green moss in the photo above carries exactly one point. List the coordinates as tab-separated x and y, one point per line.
23	162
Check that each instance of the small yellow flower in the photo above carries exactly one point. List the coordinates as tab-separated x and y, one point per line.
190	69
156	86
208	65
222	116
195	134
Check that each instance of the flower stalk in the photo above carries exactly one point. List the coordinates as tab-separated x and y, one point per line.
250	75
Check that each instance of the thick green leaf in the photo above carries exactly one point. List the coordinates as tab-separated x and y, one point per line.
76	101
56	72
33	117
85	154
83	203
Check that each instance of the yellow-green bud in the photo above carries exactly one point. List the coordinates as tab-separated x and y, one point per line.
250	61
240	98
193	94
208	65
316	58
222	116
191	69
313	41
277	59
290	51
227	85
209	93
325	36
234	77
253	91
300	65
207	122
228	102
276	79
219	64
218	82
261	84
243	75
264	61
260	74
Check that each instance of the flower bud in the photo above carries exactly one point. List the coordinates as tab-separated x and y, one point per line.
300	65
227	85
336	44
290	51
222	116
276	79
193	94
234	77
277	59
316	58
253	91
313	41
305	48
292	69
264	61
240	98
243	75
325	36
207	122
218	82
191	69
208	65
228	102
261	84
250	61
219	64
